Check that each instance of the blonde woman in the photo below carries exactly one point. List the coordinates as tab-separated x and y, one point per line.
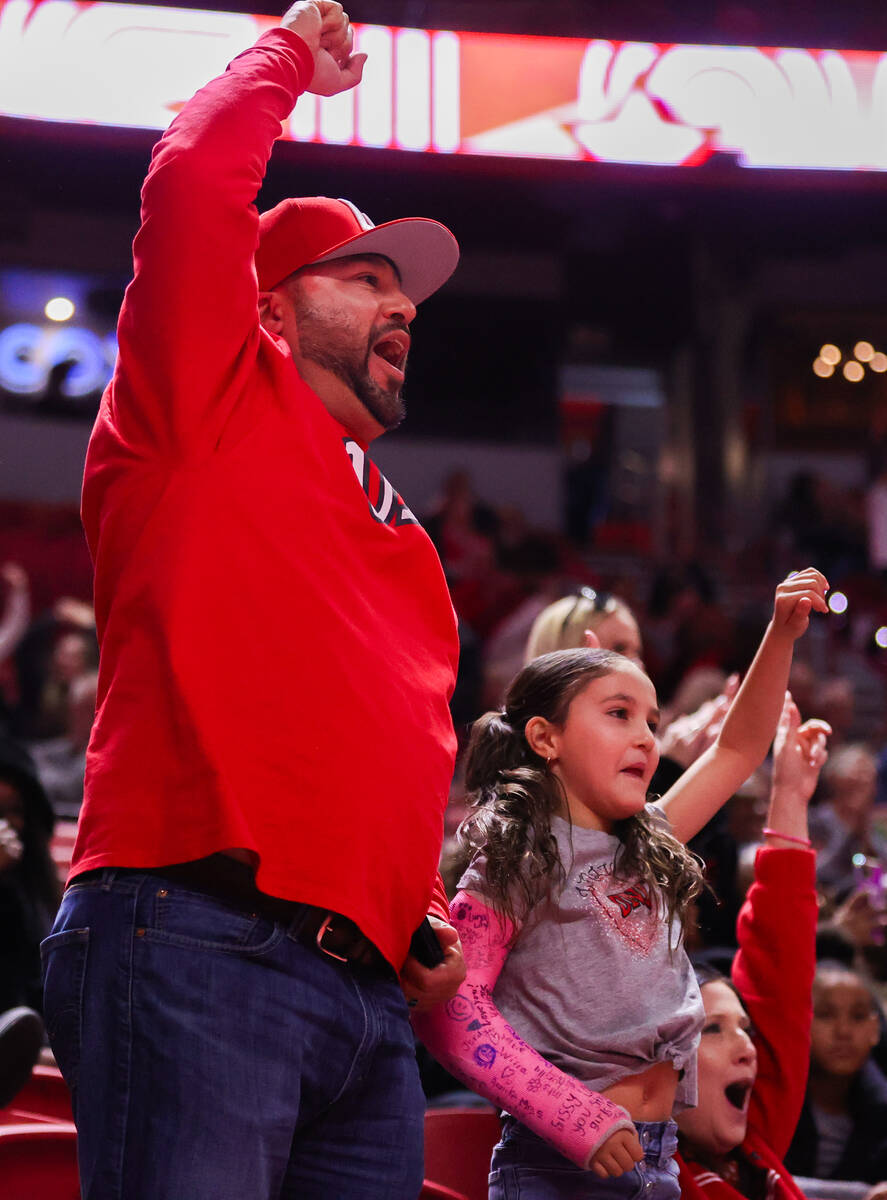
564	625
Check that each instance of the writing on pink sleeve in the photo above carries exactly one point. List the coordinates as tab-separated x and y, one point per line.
471	1038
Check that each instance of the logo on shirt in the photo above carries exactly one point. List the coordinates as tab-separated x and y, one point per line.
631	911
632	898
386	505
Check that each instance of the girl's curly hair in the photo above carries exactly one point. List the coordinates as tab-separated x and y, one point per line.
514	796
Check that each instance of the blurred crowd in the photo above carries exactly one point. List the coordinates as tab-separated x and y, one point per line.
520	592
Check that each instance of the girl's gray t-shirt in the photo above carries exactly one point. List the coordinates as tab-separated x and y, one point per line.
590	981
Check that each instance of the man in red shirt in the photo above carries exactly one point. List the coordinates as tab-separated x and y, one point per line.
270	762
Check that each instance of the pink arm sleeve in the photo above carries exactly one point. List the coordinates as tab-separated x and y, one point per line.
471	1038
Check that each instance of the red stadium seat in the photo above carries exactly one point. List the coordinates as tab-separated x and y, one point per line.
39	1162
458	1145
61	847
44	1096
436	1191
11	1116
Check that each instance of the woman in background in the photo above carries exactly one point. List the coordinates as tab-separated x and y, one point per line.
755	1043
563	626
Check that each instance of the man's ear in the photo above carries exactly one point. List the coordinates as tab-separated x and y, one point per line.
271	311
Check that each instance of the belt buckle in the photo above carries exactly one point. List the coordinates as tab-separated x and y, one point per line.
327	924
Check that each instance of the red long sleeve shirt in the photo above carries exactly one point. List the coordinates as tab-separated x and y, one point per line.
278	644
773	972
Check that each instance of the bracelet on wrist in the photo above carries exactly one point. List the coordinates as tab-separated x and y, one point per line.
789	837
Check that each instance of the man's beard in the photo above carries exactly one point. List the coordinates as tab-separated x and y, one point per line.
333	343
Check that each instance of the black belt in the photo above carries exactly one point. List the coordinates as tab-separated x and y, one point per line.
225	878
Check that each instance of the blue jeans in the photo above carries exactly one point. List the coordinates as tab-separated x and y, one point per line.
525	1167
211	1056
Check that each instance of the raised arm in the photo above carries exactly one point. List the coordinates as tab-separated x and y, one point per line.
188	330
773	968
750	724
471	1038
16	609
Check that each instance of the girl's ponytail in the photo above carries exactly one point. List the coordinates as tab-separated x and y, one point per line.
495	747
513	797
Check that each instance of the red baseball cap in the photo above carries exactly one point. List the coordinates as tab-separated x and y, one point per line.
314	229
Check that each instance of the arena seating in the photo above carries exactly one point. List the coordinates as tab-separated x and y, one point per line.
436	1191
38	1161
45	1097
458	1144
38	1151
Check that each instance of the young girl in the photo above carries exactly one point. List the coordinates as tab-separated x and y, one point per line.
580	1013
842	1131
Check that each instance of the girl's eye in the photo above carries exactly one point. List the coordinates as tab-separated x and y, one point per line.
372	280
712	1027
621	713
653	726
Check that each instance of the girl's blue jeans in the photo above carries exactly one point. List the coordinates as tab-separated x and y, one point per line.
211	1056
525	1167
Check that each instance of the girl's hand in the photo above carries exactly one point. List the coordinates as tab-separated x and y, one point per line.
796	597
619	1153
799	753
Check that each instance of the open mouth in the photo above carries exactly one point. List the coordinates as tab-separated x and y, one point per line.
637	772
393	349
737	1095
